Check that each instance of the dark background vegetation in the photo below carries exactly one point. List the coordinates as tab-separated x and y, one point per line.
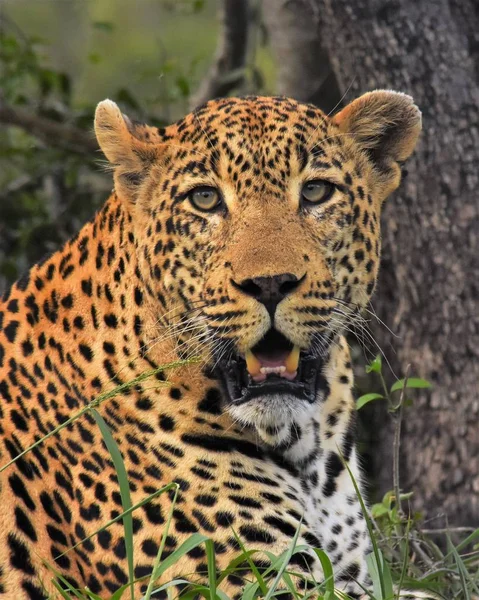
159	58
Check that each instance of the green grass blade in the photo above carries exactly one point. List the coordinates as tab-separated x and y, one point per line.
468	540
290	585
160	566
233	565
120	591
91	595
211	562
192	542
284	563
376	551
156	566
60	590
124	493
169	584
66	583
461	570
202	590
387	579
253	567
327	573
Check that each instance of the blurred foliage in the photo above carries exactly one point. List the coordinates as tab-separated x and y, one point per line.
47	192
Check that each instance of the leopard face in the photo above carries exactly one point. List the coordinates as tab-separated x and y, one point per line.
257	233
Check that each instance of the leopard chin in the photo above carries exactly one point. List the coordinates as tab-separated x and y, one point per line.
273	418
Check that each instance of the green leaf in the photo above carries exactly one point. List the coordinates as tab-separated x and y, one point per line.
387	579
375	572
375	366
183	85
378	510
64	84
94	58
198	5
124	492
376	553
367	398
412	383
381	576
126	97
103	26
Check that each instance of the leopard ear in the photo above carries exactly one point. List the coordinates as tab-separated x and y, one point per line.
130	157
386	125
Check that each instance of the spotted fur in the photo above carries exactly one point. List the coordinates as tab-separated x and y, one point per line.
150	280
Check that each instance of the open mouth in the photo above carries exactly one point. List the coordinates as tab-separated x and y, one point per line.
273	366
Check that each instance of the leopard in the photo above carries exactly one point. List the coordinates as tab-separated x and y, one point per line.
201	315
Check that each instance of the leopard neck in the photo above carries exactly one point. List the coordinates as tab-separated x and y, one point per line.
87	303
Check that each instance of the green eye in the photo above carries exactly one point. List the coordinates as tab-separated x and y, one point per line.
317	191
205	198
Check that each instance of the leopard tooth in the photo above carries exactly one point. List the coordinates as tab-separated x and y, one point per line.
292	362
268	370
252	364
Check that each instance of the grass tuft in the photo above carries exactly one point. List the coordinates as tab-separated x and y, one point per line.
404	555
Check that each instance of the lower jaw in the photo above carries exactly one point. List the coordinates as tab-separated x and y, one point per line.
240	388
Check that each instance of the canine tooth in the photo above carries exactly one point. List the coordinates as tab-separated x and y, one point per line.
291	363
252	363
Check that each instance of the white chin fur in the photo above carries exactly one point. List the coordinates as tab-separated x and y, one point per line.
276	412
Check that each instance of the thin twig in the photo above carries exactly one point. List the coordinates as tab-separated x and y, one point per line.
449	530
424	557
51	132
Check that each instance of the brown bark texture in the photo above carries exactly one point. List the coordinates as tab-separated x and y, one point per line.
429	283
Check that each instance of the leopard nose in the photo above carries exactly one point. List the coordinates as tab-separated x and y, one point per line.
269	290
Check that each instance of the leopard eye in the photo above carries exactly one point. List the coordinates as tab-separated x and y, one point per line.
205	198
317	191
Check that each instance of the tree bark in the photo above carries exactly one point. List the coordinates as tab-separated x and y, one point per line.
429	283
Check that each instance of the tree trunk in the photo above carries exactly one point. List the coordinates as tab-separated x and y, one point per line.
227	70
304	69
429	283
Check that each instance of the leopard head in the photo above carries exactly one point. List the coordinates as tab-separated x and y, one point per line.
257	231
